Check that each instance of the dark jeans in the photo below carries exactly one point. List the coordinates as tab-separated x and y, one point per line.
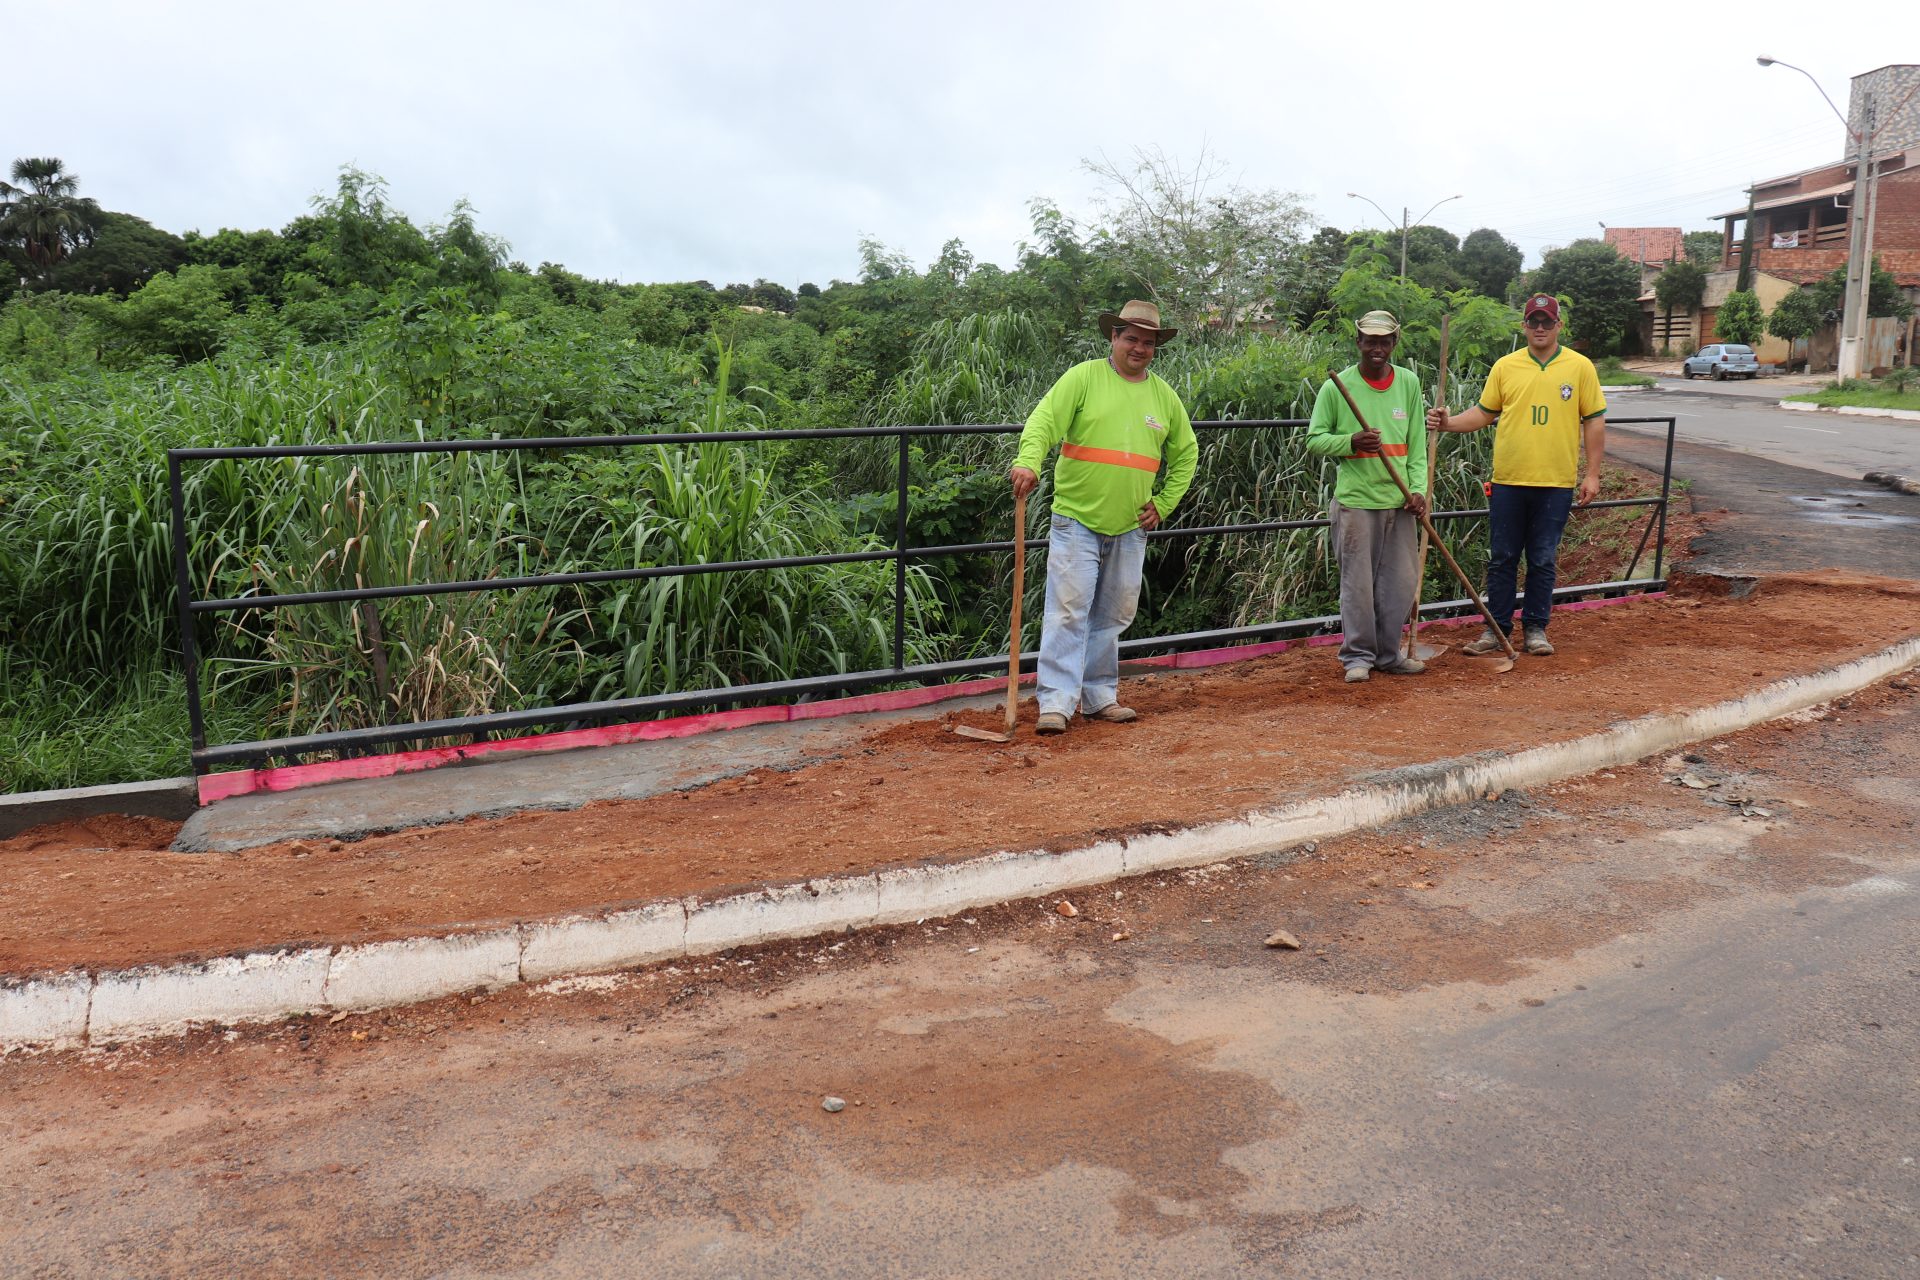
1524	519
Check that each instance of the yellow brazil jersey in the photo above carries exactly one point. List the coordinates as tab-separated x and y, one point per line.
1541	407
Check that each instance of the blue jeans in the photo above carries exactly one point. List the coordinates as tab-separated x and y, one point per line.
1093	588
1524	519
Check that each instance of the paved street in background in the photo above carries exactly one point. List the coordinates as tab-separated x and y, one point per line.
1747	417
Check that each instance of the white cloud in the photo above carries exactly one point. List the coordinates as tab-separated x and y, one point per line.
656	141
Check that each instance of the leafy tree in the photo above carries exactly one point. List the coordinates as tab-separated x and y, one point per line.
354	239
1432	258
260	259
879	261
123	254
1204	253
762	293
1703	249
1320	263
1372	282
1739	318
1489	261
44	220
1681	287
1884	297
466	258
178	314
1795	316
1601	290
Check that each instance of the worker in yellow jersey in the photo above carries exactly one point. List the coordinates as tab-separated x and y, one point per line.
1548	403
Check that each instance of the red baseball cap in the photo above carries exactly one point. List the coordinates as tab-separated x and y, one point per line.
1542	302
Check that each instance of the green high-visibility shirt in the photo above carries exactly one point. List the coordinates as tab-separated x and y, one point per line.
1396	413
1113	436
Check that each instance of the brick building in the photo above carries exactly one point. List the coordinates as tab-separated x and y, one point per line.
1801	220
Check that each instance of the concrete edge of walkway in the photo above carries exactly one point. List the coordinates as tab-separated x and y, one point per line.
174	799
76	1008
1852	410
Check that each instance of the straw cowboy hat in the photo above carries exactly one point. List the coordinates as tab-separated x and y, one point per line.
1141	315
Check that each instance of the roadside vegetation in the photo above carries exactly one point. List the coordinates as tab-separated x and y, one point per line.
352	323
1614	374
1900	389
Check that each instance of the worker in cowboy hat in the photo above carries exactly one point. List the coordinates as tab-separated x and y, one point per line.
1117	424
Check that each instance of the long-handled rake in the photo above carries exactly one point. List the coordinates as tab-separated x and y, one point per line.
1013	649
1496	662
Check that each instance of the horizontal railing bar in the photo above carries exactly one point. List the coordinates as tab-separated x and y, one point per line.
203	453
231	604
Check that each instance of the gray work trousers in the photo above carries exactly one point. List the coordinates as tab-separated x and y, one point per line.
1379	559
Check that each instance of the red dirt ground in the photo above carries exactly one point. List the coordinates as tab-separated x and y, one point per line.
1211	745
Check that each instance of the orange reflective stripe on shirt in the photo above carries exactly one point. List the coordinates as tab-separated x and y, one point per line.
1391	450
1113	457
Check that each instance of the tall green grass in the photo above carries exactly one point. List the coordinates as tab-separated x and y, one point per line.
86	576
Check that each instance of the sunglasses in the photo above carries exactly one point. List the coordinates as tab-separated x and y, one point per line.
1539	320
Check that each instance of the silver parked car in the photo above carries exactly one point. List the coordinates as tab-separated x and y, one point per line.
1722	360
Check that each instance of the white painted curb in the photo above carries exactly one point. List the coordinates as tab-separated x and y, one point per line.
50	1011
1851	410
584	944
412	969
155	999
65	1009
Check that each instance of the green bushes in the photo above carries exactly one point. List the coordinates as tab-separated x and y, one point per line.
86	573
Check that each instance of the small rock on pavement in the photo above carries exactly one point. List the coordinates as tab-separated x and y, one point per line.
1067	909
1281	938
833	1104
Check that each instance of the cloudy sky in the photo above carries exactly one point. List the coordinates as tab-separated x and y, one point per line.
648	141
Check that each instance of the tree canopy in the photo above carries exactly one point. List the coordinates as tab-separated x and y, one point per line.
1601	291
1739	318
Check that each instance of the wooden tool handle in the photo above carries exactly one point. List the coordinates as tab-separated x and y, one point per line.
1019	594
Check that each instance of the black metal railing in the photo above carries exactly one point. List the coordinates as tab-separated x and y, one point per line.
353	741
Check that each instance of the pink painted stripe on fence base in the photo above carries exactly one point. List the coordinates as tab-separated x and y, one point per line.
240	782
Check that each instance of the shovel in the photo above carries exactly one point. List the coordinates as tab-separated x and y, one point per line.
1013	649
1495	661
1416	647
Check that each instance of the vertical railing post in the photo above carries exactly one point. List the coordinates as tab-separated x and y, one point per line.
900	563
183	590
1666	488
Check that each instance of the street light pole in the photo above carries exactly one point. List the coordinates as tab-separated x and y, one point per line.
1404	224
1853	306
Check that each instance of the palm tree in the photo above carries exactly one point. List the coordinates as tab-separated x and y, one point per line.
45	217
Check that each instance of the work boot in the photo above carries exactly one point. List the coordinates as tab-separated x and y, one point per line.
1050	722
1404	667
1358	675
1489	642
1537	643
1112	713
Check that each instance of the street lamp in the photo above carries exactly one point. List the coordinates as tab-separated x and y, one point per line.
1853	313
1404	223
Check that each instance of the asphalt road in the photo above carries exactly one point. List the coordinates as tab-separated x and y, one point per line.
1746	417
1787	482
